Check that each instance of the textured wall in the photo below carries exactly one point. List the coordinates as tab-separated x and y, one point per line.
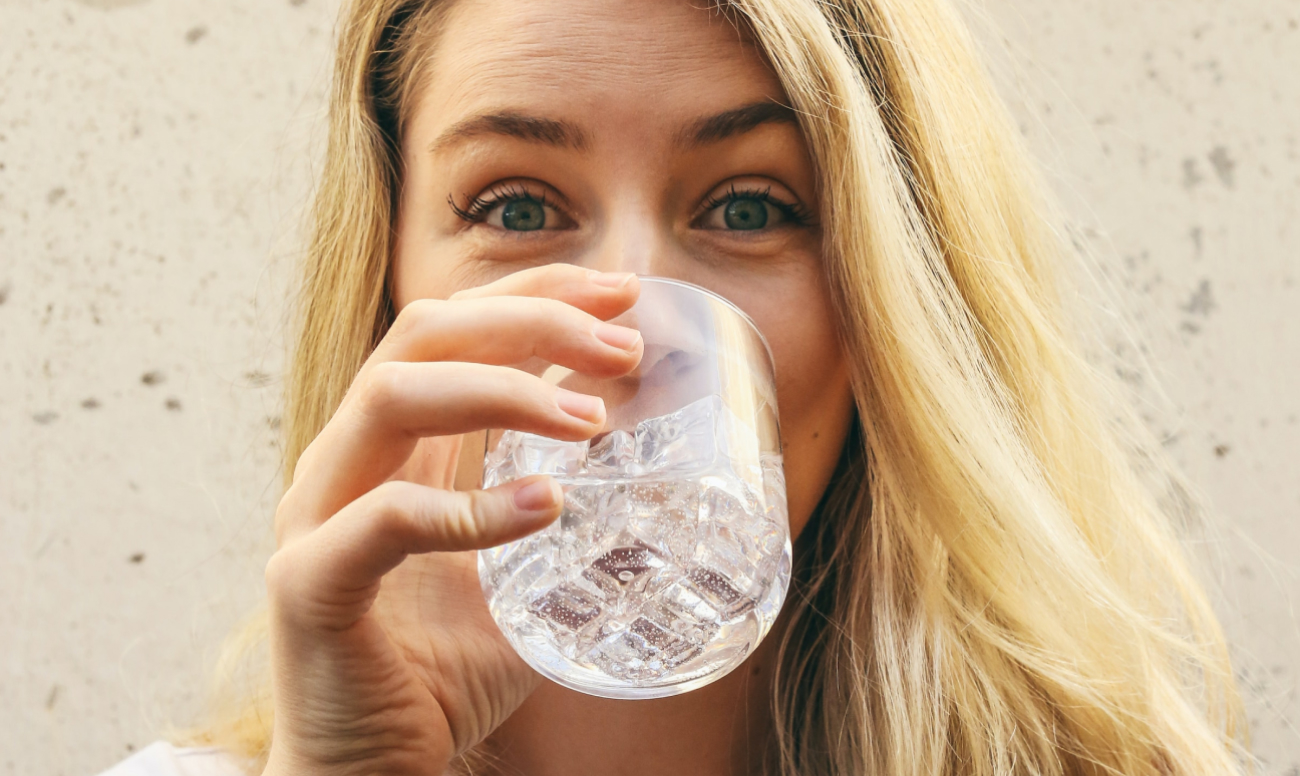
1171	128
153	159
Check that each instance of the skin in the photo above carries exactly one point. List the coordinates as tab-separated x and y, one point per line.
384	656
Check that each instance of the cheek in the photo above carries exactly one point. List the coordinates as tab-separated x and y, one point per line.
424	273
801	330
416	272
813	390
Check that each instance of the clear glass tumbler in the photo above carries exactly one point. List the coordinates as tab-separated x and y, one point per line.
671	559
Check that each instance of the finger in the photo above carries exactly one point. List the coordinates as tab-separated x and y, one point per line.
602	294
396	403
510	330
328	578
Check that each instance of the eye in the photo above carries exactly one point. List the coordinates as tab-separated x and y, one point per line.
520	215
512	209
749	210
746	213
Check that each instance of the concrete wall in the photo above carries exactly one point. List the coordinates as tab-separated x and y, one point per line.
154	157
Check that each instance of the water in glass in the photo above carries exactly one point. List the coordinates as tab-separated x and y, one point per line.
669	563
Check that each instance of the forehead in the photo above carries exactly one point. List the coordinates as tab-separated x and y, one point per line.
623	64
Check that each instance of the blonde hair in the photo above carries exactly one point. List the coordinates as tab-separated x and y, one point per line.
990	585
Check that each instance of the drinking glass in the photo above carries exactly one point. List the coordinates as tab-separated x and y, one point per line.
671	558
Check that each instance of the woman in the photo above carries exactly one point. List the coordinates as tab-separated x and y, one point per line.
984	583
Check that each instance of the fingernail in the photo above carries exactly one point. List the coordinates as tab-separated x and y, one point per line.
580	405
619	337
612	279
539	496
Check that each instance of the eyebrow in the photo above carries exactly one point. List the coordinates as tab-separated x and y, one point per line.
534	129
734	122
563	134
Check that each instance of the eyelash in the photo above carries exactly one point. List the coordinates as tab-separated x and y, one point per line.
795	212
476	210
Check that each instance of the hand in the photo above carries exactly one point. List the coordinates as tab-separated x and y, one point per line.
384	656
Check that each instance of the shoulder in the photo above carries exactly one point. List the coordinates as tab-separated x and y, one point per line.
163	759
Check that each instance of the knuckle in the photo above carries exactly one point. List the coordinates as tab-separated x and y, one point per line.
280	574
284	511
382	387
395	507
389	502
304	462
462	520
414	316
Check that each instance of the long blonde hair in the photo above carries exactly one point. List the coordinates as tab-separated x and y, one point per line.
992	583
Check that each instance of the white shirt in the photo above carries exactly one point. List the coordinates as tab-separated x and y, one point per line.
162	759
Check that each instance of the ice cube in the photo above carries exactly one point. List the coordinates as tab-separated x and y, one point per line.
614	453
594	512
521	581
567	609
643	652
667	646
731	551
753	530
665	516
681	442
580	510
684	612
518	455
720	506
717	589
627	569
499	463
535	454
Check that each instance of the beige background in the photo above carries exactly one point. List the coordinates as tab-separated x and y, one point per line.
154	157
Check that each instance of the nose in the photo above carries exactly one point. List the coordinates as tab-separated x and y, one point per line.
635	238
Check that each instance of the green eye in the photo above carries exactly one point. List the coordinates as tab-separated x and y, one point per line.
745	213
523	215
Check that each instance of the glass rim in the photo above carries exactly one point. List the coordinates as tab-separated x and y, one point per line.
771	359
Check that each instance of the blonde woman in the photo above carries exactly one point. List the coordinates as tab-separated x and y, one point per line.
984	584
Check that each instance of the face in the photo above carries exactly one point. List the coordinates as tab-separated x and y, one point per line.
644	137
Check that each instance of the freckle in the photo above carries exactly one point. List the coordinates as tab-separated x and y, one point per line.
90	404
153	377
137	558
817	434
174	404
1221	451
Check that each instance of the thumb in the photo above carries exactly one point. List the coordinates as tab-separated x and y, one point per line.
336	568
